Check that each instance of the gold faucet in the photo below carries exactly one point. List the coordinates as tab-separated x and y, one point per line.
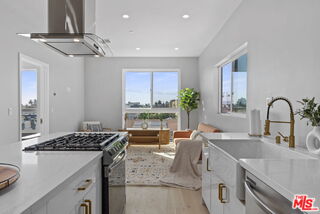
267	123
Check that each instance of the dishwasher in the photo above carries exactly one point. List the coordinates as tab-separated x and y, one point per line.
262	199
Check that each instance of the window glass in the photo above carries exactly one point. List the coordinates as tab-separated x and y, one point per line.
165	90
138	89
234	86
239	82
226	72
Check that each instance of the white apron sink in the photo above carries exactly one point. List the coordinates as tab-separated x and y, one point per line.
225	156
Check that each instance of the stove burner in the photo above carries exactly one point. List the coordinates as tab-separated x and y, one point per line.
76	142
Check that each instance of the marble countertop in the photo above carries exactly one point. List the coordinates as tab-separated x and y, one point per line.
288	177
41	172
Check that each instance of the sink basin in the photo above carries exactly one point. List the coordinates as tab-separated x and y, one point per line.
253	149
225	156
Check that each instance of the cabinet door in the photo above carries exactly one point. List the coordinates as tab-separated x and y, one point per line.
216	205
232	203
206	173
91	200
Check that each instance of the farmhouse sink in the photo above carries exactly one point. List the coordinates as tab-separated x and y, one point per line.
225	156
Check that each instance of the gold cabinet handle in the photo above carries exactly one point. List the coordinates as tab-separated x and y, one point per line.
220	190
209	170
86	208
88	182
90	205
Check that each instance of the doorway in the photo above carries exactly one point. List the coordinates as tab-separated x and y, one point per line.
34	98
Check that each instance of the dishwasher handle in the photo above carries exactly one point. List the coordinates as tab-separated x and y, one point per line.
258	201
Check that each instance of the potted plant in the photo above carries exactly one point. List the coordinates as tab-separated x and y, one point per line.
144	117
162	116
311	110
189	101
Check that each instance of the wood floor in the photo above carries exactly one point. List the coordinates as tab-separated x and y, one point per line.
163	200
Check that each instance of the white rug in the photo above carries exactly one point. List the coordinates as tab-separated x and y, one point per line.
146	164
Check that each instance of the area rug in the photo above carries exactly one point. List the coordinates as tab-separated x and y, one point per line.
146	164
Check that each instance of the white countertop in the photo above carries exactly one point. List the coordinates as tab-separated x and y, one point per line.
288	177
41	172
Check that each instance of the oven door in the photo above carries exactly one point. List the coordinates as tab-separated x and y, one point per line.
117	184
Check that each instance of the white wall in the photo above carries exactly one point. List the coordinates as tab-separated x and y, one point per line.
283	37
103	85
66	109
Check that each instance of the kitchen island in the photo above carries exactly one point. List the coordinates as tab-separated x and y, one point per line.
49	181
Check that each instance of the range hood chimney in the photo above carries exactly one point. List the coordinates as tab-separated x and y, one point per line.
71	28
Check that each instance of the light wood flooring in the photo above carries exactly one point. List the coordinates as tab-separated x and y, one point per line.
163	200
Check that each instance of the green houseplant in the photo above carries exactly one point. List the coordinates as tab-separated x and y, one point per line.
144	117
311	110
189	101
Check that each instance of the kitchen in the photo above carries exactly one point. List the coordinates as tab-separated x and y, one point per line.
281	43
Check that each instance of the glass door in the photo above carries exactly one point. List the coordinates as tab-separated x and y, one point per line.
29	104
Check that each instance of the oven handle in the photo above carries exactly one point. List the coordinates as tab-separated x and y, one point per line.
113	165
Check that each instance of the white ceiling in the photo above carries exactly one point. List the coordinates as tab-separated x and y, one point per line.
158	26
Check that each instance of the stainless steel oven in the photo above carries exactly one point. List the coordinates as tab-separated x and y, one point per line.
114	185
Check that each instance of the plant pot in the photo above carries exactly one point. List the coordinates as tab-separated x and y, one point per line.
144	125
313	140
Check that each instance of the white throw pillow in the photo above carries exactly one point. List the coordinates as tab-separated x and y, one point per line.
194	134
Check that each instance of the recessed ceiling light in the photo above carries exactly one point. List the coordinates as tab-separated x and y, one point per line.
138	49
96	56
176	49
125	16
71	55
42	40
76	40
186	16
131	31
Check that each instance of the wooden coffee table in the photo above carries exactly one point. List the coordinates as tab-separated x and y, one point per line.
148	136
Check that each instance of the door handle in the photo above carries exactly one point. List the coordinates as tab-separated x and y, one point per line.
86	208
89	205
220	193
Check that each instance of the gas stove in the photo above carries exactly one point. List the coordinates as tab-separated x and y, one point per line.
113	145
77	142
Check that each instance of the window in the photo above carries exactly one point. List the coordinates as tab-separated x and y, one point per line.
233	85
152	92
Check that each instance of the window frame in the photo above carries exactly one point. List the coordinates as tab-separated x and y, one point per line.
242	50
151	109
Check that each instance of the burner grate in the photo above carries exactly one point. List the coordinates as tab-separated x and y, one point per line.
76	142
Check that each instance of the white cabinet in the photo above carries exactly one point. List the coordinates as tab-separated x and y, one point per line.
219	192
206	176
78	195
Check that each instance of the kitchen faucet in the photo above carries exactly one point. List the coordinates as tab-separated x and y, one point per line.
291	138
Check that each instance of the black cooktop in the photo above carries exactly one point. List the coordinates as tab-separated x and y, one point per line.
76	142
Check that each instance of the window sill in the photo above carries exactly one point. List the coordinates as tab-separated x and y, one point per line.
237	115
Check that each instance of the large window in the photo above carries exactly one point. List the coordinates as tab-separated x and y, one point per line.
152	92
233	85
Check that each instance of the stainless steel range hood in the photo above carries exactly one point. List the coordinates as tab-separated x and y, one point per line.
71	27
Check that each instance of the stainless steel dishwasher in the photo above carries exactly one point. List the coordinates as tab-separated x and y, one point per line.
262	199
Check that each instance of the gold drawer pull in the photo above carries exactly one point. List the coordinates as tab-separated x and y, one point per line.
220	196
88	182
90	205
86	208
